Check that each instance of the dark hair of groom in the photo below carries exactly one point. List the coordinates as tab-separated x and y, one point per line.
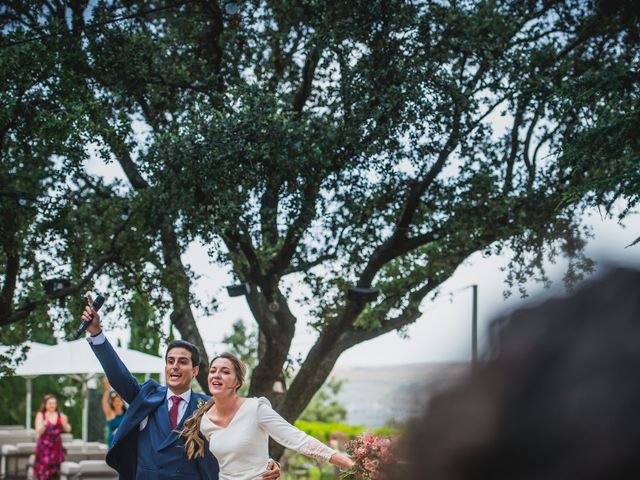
195	353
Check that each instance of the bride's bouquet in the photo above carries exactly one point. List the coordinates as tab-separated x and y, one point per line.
370	453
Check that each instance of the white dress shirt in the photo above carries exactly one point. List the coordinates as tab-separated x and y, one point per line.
97	340
186	398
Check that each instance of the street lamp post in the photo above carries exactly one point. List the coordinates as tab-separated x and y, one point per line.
474	328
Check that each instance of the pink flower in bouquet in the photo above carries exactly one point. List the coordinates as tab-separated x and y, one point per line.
370	454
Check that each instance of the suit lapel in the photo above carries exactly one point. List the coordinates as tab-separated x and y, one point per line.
163	415
191	408
150	399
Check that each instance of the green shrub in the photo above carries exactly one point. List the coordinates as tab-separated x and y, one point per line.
322	431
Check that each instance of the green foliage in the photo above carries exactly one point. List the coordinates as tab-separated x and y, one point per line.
144	326
12	404
243	342
322	431
324	406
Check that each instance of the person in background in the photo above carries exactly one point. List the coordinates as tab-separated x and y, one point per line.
113	408
50	423
556	398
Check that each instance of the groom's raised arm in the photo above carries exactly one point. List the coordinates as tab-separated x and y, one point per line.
118	374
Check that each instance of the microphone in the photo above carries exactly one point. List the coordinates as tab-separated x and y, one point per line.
97	303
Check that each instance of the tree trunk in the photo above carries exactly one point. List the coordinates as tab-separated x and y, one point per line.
177	282
278	329
11	269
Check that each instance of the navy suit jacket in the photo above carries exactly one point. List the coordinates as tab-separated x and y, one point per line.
149	401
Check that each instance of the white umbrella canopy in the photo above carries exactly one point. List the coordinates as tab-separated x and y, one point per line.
33	347
76	359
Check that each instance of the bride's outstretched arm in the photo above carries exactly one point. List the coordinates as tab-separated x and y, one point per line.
291	437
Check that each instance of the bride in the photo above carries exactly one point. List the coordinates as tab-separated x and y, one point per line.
238	428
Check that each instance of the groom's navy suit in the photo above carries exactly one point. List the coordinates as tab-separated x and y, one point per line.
155	452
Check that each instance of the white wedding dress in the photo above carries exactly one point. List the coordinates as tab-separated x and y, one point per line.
242	447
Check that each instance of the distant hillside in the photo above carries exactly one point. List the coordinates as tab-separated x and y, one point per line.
375	395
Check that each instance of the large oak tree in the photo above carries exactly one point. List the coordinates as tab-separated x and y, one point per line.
329	144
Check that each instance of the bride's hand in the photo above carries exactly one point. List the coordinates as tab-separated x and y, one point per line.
272	472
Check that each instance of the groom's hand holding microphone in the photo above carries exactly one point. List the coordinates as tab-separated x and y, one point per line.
91	316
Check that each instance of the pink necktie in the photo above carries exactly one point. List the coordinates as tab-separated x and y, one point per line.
173	411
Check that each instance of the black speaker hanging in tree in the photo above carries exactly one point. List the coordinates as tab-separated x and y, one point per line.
362	295
239	290
53	285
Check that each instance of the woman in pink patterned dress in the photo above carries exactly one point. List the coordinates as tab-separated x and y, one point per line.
50	423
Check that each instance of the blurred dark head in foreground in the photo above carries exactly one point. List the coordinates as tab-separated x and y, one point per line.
557	398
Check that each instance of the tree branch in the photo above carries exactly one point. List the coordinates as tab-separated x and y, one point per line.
514	146
409	315
295	232
240	243
212	41
530	166
160	80
269	212
23	312
390	248
280	59
99	191
308	72
306	266
419	188
12	268
121	152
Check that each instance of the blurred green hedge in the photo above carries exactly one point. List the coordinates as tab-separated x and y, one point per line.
322	431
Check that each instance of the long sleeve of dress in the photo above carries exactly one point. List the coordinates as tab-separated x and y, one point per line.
289	436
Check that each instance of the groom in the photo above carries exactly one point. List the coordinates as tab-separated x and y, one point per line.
146	445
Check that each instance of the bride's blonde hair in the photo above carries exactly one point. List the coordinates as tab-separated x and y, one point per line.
194	441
